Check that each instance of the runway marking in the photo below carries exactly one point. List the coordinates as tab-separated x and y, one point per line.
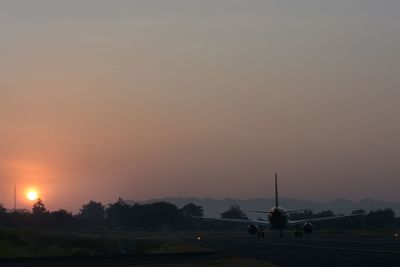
321	247
349	240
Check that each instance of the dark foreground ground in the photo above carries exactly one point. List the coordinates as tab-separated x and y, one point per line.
171	259
198	259
240	249
317	249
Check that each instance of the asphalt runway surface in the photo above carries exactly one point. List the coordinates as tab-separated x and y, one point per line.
112	260
316	249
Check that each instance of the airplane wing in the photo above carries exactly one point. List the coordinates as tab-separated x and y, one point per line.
294	223
258	211
268	212
297	210
244	221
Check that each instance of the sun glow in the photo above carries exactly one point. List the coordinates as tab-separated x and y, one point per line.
32	195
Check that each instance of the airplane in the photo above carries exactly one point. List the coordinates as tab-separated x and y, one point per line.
278	219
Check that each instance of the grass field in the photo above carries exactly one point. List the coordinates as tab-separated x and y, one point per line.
34	243
28	243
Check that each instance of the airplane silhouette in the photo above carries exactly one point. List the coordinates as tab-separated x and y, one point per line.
278	219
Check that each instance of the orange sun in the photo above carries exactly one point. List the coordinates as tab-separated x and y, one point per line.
32	195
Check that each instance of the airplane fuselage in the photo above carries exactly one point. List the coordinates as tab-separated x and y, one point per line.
277	218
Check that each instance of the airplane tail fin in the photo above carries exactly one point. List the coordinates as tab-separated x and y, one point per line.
276	190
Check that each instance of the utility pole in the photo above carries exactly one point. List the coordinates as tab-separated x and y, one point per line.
15	198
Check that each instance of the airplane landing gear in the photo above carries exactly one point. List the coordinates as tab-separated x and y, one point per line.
261	234
298	234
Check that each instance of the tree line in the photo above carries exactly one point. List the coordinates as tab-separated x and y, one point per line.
97	216
375	219
166	216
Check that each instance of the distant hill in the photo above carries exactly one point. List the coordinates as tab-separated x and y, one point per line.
214	207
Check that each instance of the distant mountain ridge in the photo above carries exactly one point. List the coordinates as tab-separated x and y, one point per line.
214	207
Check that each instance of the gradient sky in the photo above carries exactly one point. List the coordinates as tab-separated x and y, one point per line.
146	99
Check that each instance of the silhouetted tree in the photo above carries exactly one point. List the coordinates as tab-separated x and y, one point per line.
359	211
92	214
325	213
160	215
38	208
20	217
192	210
137	216
61	218
397	222
118	214
234	212
188	211
3	209
303	215
381	218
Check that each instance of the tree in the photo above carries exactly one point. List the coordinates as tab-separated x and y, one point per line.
192	210
38	208
3	212
118	213
397	222
305	214
359	212
234	212
381	218
158	215
93	214
60	218
2	209
325	213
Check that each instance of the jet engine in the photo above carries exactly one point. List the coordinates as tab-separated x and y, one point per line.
252	229
308	228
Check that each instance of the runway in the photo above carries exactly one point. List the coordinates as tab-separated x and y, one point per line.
152	259
316	249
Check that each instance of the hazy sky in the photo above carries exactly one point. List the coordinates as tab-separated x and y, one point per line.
145	99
